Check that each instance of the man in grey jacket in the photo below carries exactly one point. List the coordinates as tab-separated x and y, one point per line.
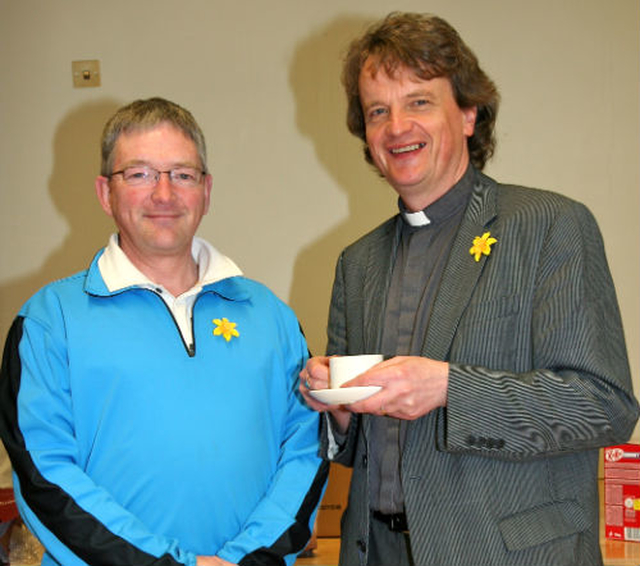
505	365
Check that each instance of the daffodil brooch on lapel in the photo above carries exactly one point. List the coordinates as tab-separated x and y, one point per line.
225	329
482	245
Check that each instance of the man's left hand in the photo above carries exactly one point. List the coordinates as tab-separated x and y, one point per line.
212	561
412	386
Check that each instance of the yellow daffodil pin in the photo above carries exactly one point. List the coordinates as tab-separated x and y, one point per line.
482	245
225	328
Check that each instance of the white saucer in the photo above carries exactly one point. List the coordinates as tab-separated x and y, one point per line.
343	395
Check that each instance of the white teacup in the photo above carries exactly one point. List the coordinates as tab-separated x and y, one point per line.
345	368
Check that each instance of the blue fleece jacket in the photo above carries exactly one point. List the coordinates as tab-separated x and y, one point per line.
129	448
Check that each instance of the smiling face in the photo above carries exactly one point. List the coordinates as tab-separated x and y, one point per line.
158	221
416	132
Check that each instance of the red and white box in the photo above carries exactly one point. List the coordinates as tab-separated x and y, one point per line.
622	492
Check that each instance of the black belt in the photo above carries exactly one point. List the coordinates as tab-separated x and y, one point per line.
397	522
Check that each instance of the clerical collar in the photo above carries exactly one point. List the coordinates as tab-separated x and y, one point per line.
416	219
445	206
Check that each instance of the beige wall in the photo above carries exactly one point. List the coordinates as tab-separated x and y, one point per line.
290	187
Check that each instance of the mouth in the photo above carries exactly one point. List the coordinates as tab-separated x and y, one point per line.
162	216
407	148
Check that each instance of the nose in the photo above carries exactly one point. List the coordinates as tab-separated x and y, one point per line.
398	122
163	190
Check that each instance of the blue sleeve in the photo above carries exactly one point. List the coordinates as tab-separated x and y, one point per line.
76	520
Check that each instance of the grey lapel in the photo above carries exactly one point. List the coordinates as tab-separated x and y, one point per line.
462	271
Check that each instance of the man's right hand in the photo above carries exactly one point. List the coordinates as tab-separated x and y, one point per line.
315	375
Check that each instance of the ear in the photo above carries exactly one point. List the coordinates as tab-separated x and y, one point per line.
103	191
208	183
469	116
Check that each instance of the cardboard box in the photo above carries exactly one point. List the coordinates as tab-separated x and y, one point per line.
334	502
622	492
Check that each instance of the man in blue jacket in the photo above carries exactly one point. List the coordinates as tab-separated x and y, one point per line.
149	404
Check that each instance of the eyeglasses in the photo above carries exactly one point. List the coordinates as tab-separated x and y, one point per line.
145	177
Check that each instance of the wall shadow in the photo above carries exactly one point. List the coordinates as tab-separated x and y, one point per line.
76	162
320	116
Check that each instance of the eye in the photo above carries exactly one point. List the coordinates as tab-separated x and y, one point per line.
376	112
136	173
188	175
419	102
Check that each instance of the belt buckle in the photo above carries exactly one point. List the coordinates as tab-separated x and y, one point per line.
398	523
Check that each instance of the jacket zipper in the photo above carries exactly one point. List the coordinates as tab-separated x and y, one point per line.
190	348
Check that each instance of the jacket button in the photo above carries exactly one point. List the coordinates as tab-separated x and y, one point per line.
362	546
365	461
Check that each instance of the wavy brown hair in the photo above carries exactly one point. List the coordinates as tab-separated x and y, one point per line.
431	48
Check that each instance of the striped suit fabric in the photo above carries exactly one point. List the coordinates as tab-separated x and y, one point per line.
506	474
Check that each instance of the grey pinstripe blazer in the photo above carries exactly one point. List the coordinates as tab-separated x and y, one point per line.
539	380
